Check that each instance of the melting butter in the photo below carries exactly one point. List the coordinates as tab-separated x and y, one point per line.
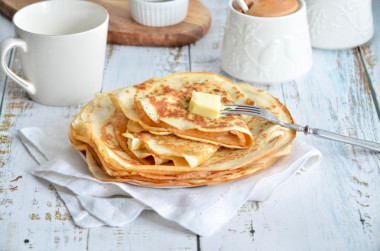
133	143
205	104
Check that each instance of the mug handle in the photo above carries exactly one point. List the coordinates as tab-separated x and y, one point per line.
5	46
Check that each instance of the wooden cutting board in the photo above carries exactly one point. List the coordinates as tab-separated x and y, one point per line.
123	30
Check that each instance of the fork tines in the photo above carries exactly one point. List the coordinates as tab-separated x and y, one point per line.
236	109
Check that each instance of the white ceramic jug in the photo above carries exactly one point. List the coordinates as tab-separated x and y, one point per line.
266	50
339	24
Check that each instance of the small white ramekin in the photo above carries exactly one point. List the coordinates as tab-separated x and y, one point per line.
158	13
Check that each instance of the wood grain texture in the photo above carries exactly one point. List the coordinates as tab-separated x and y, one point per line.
128	65
148	232
9	7
334	207
341	209
371	55
6	31
31	214
124	30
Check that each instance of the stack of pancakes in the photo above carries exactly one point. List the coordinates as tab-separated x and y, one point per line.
145	134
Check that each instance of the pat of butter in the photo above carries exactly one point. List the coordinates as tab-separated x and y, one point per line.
133	143
205	104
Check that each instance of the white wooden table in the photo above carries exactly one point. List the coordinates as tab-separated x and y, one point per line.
338	210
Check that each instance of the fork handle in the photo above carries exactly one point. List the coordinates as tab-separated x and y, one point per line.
345	139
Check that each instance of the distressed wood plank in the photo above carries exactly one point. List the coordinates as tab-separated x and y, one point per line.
332	207
129	65
148	232
337	93
31	214
5	32
371	54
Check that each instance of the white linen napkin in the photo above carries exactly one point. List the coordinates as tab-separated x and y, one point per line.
203	210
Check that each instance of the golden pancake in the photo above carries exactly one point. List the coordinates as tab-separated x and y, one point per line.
143	155
158	149
161	105
158	181
96	130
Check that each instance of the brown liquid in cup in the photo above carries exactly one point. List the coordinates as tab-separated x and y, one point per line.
269	8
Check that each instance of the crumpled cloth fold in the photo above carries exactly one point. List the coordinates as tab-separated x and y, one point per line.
203	210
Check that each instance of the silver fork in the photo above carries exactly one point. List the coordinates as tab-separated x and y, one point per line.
267	115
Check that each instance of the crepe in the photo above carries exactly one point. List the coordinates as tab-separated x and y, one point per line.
99	128
102	127
161	105
120	127
158	149
203	178
93	126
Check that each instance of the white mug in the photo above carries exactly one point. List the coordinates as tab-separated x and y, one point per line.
266	50
339	24
63	45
